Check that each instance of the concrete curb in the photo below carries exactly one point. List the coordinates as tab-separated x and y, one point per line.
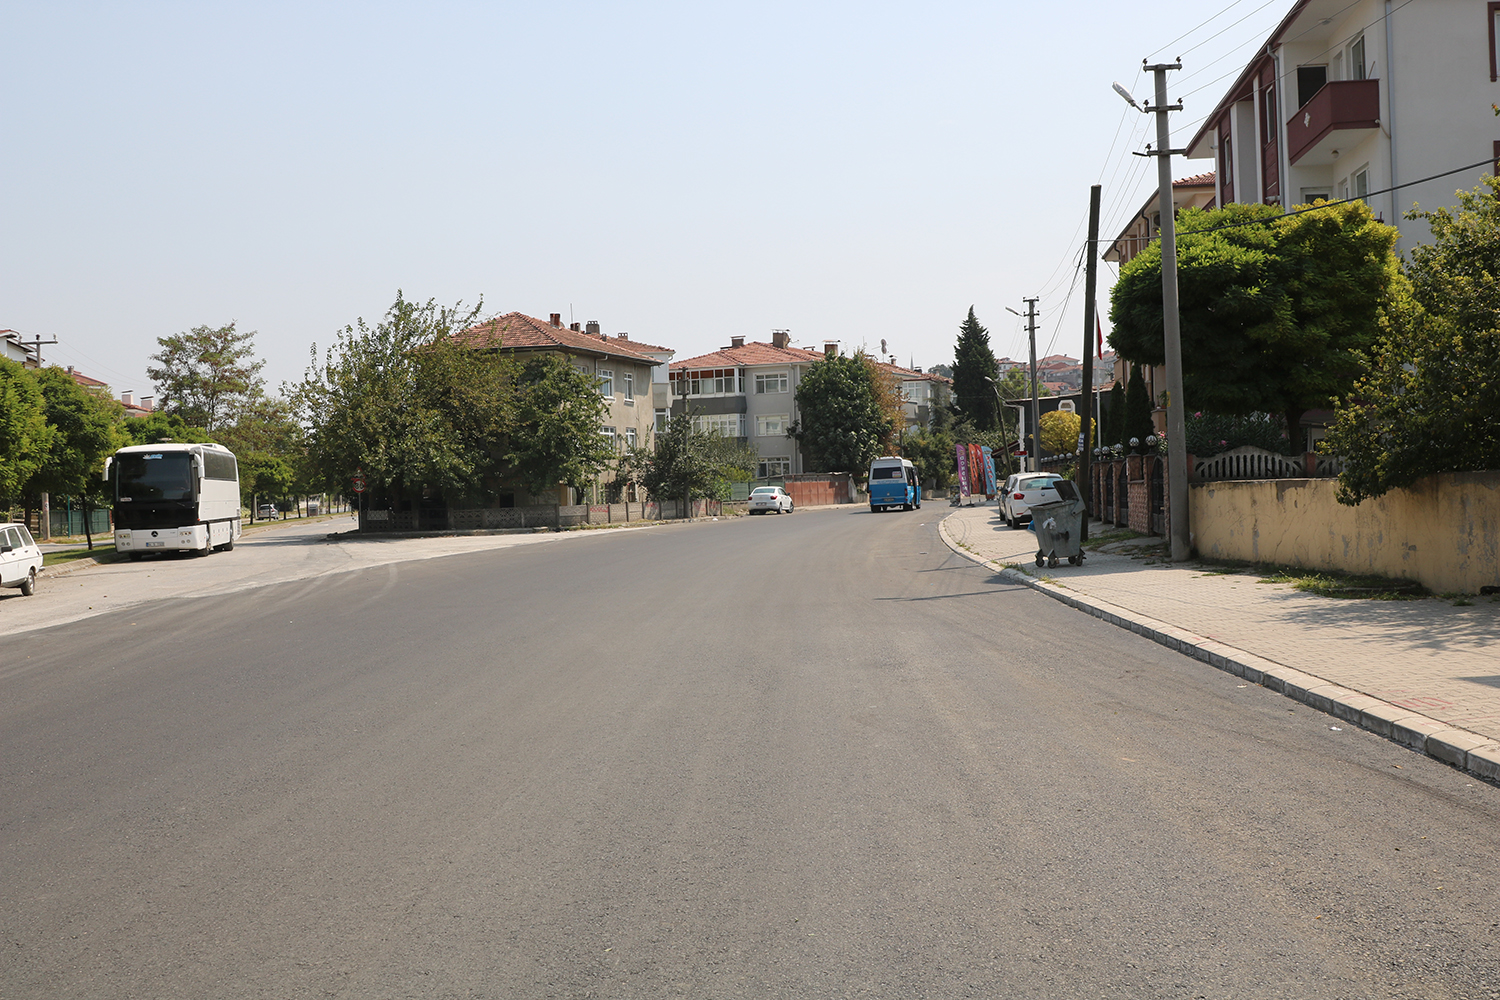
1478	755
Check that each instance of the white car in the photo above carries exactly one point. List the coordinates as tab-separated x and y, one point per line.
1025	490
20	559
769	498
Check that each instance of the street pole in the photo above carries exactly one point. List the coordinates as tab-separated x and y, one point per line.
1034	451
1090	284
1177	471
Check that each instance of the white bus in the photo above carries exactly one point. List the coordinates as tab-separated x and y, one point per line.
175	498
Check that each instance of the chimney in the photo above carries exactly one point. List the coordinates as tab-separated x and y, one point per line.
557	319
622	336
146	403
830	348
592	329
917	370
736	342
574	327
779	338
127	398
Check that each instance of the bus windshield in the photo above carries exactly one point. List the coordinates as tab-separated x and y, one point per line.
154	475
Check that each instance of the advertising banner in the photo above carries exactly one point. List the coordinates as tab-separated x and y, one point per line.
989	472
963	468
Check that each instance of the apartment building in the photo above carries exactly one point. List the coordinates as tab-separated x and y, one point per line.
1351	100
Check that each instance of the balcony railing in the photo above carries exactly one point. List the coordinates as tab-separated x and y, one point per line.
1331	121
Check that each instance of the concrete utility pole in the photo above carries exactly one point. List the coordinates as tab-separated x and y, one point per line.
1090	284
1177	470
1034	449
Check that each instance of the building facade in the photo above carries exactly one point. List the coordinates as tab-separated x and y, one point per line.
1373	100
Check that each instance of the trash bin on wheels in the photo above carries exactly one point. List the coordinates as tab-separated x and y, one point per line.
1059	527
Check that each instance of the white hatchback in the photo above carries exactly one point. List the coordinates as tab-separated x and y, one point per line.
20	559
1024	491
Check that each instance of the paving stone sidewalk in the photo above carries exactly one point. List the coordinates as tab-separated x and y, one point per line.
1424	672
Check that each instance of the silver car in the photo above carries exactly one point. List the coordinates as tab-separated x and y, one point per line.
1025	490
764	499
20	559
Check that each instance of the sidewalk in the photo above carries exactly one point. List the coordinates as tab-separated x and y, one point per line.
1423	673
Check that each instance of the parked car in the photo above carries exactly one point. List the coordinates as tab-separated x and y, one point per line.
20	558
267	512
1024	490
768	498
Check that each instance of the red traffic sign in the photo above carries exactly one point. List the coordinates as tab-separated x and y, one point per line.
359	484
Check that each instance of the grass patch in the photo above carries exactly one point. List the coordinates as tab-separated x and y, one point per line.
1113	535
1371	588
101	552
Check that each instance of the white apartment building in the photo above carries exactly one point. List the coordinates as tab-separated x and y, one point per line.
1350	100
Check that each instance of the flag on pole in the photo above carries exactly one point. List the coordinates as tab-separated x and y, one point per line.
1099	325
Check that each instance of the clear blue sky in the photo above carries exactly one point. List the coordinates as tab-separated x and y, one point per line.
686	172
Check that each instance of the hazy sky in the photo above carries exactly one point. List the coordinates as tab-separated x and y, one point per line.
855	171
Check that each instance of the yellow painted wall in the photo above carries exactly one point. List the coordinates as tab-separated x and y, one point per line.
1443	532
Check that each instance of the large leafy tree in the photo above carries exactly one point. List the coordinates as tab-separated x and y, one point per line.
973	364
1428	402
556	436
86	431
1275	312
376	401
205	375
160	427
841	426
25	435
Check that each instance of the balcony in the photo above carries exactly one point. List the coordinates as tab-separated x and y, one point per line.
1342	114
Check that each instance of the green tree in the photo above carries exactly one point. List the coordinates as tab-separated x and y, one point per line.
161	427
973	365
1275	312
86	431
931	451
1113	432
687	464
1138	423
1428	401
379	400
841	426
558	418
25	435
206	375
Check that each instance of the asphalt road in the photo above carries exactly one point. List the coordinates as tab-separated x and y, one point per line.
814	755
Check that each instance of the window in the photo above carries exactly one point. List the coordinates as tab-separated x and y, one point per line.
606	382
630	437
1357	58
1360	183
773	382
629	378
1268	125
611	439
710	382
1494	10
1310	195
779	465
661	421
730	425
772	424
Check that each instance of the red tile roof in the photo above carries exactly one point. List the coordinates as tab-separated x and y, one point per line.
518	332
753	353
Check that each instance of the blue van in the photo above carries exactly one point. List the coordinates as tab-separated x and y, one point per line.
893	483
